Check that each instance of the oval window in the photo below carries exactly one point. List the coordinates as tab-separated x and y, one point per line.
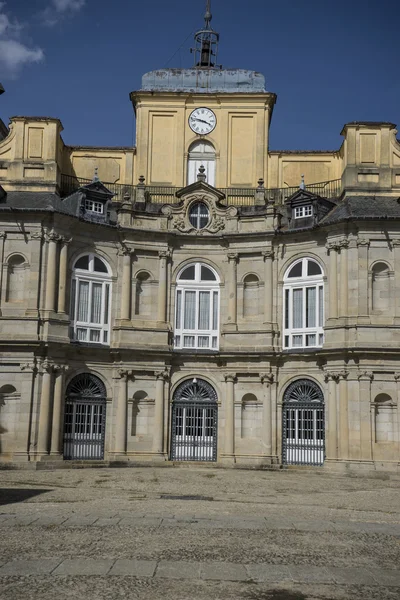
199	215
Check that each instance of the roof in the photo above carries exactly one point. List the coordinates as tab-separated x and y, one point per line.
354	208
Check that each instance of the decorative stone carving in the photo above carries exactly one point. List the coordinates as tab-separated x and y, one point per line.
267	378
336	375
365	375
180	214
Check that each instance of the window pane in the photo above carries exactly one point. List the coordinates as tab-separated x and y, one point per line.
190	310
188	274
321	306
73	296
286	341
99	266
311	340
311	307
297	309
82	263
105	337
203	341
178	341
313	268
81	334
207	274
286	309
83	301
215	342
297	341
96	303
178	309
296	270
204	310
106	303
188	341
94	335
215	311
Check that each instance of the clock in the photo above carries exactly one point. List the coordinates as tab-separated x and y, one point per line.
202	120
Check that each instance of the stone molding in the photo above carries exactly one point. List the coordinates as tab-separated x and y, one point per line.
268	254
162	374
267	378
336	375
126	374
365	375
230	377
167	254
233	256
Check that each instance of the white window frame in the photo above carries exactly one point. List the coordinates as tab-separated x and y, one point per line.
302	337
301	212
94	207
197	339
84	330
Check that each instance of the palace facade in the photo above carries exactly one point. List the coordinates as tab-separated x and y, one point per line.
200	297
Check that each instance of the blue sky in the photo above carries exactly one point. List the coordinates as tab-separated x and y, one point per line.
328	62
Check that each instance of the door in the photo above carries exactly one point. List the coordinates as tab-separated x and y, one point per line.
194	422
303	427
85	419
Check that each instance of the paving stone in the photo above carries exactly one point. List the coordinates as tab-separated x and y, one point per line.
386	578
178	570
223	571
48	520
28	520
84	566
143	522
107	521
80	521
135	568
351	575
6	517
310	574
314	525
39	566
269	573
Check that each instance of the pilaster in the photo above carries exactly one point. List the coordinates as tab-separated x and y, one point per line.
164	256
233	258
230	380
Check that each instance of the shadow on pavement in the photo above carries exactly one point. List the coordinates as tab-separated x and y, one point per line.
12	495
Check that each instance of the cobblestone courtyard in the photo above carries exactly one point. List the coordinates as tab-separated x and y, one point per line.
198	533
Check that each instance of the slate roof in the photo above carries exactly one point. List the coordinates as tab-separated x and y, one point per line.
355	208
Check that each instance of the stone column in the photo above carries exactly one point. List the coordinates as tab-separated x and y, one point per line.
344	279
230	415
396	280
332	437
35	265
332	280
363	245
62	279
126	288
51	273
343	416
365	378
267	379
162	285
158	430
58	413
268	286
232	288
121	413
3	268
44	411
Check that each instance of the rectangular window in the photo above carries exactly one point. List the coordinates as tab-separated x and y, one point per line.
83	301
95	335
297	341
287	309
188	341
178	309
303	211
96	303
215	311
311	307
106	303
203	341
321	306
204	310
96	207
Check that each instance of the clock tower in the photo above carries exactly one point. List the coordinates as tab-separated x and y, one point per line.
204	115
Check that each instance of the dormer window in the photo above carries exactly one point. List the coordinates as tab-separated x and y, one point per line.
94	207
300	212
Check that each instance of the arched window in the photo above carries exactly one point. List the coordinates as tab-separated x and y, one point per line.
251	298
90	300
197	308
380	287
16	278
303	305
201	153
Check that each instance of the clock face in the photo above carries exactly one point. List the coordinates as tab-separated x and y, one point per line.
202	120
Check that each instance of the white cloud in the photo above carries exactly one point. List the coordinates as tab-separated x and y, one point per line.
58	9
14	54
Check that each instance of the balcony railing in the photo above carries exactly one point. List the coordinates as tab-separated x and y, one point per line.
234	196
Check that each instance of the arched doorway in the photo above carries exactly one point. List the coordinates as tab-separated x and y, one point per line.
201	153
194	422
85	418
303	424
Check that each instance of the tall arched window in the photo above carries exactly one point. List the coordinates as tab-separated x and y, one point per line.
90	300
197	308
303	305
201	153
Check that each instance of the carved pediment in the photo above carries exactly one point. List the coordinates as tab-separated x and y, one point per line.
205	194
